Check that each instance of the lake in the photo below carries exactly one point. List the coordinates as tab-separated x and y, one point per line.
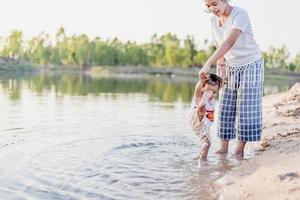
71	136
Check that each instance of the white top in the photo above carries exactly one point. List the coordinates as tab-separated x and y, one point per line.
245	50
210	105
202	127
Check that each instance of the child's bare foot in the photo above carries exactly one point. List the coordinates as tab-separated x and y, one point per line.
204	149
202	162
202	155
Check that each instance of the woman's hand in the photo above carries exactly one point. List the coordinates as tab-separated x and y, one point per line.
222	49
205	69
203	77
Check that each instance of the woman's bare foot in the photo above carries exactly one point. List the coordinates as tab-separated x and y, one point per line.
222	151
224	147
239	155
239	151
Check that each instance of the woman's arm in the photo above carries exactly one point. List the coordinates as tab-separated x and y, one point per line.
222	50
221	61
220	67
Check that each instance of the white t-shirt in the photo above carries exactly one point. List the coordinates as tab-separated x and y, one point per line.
245	50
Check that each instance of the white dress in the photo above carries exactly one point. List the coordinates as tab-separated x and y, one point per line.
202	127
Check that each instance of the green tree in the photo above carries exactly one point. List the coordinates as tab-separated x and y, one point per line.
80	51
201	58
188	52
60	51
13	45
276	57
155	51
296	62
39	50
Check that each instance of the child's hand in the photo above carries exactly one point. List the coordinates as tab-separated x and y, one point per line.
205	97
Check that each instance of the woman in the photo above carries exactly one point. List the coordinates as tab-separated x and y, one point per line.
240	110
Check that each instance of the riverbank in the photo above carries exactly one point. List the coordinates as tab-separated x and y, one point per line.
274	173
172	71
14	66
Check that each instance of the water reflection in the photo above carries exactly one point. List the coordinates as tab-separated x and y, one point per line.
77	137
164	89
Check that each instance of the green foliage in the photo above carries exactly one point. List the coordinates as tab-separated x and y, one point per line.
13	45
162	51
296	63
276	58
39	50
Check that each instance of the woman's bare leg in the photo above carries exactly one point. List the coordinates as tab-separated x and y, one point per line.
239	151
224	147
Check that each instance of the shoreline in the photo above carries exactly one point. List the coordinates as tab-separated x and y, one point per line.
14	67
274	173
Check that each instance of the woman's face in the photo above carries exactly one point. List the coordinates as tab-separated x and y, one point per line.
217	7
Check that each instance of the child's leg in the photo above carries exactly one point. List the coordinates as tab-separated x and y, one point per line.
204	148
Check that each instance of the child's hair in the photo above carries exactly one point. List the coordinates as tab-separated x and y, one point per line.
211	79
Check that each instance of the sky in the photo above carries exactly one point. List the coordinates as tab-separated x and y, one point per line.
275	22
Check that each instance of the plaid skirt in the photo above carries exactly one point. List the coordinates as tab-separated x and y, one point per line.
240	103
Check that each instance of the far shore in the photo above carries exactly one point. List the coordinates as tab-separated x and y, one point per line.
98	71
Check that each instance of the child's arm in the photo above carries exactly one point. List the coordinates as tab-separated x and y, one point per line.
201	105
199	86
198	91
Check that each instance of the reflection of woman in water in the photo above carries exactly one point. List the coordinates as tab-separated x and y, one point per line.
237	54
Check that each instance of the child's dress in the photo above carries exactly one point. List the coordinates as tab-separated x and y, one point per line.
202	127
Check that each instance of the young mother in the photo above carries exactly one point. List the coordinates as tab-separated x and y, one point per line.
237	54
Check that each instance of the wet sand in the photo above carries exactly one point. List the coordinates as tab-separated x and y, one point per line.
274	173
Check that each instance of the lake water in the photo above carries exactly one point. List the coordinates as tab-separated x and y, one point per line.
77	137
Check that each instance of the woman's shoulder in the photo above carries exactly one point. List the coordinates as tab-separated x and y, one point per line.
213	19
238	10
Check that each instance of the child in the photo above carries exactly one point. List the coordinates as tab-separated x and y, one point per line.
203	107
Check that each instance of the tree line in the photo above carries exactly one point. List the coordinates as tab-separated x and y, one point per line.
161	51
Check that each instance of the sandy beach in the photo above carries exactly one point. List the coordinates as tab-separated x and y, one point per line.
274	173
